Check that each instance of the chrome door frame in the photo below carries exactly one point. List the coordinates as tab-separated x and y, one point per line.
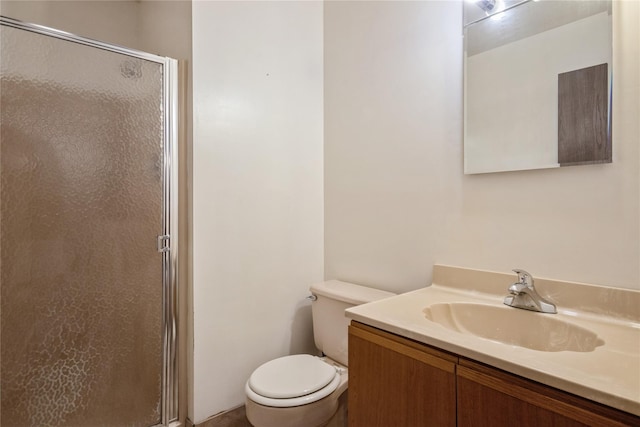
169	232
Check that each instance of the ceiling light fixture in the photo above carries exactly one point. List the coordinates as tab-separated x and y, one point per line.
486	5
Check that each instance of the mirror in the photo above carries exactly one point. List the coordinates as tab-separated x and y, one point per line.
537	84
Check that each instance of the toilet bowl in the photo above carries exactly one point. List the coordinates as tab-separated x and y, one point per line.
303	390
295	391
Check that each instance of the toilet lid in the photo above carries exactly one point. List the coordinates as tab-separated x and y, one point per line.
291	376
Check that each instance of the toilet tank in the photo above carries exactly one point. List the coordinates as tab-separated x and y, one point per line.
330	325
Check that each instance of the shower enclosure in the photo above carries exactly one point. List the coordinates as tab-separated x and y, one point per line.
87	232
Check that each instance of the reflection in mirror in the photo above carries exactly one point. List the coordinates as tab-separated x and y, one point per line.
537	85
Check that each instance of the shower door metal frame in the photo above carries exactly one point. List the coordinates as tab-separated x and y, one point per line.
168	238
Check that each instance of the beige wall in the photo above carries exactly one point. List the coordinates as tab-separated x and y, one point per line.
396	199
258	194
159	27
109	21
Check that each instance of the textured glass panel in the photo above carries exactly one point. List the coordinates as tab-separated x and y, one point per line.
80	209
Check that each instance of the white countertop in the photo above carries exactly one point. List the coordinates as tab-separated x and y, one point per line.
610	374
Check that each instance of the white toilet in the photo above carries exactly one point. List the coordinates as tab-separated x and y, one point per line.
303	390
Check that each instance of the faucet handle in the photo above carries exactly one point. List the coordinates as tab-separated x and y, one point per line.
524	278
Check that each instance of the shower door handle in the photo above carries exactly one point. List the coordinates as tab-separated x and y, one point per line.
163	243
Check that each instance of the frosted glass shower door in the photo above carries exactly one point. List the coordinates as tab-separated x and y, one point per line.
83	200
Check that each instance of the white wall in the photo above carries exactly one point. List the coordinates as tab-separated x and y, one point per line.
393	138
258	191
396	199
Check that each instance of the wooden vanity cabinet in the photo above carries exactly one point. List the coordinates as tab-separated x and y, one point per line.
397	382
394	381
490	397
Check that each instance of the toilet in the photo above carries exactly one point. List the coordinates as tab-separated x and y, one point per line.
303	390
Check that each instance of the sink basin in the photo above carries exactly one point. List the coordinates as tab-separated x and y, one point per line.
536	331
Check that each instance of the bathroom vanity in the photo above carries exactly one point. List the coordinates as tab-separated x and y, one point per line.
412	384
410	367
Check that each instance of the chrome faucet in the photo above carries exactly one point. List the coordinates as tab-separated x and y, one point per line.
524	295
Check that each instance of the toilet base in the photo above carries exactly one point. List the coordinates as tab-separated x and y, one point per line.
314	414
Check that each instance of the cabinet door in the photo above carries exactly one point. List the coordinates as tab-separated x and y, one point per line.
396	382
490	397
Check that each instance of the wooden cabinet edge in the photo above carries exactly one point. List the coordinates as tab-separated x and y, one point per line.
562	403
412	349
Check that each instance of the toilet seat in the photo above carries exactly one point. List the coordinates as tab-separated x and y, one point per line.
292	381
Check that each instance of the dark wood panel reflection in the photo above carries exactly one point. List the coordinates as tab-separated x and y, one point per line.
583	133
